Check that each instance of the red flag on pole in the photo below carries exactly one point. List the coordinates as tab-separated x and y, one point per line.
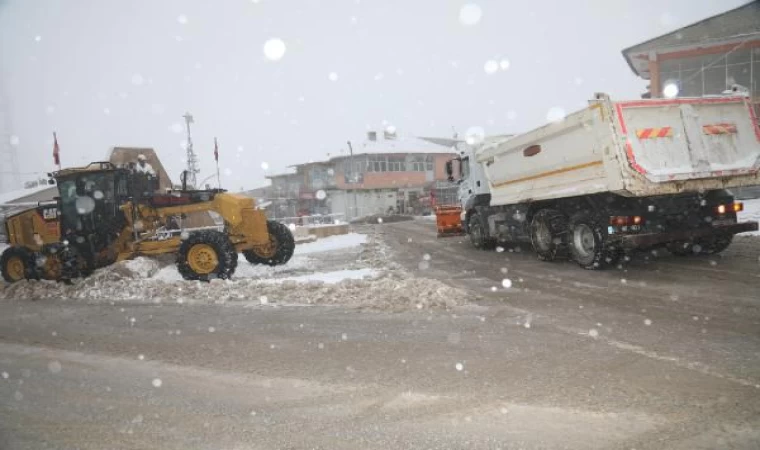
216	151
56	151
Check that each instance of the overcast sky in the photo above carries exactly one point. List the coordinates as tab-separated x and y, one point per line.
116	72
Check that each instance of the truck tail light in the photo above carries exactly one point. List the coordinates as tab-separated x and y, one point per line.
621	221
731	207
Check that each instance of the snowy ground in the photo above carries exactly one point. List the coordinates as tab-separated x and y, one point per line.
347	269
751	212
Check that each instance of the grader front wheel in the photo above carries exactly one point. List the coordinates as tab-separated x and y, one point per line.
280	249
206	255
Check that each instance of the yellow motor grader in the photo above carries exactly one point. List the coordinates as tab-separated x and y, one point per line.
105	214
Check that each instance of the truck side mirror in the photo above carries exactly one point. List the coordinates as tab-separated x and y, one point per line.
183	178
450	169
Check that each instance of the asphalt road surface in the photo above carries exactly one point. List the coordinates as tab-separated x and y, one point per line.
663	353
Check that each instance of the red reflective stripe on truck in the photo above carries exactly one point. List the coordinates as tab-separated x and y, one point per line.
628	146
720	128
650	133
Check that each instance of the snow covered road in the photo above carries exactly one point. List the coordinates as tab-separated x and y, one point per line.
662	353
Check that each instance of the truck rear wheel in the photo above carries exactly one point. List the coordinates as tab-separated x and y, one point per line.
206	255
588	242
282	245
17	263
548	231
715	244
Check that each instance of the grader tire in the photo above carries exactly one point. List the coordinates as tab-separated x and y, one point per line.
17	263
283	242
206	255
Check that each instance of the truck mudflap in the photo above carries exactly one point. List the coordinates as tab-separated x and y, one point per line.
652	239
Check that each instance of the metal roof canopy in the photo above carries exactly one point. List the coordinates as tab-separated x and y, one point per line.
733	26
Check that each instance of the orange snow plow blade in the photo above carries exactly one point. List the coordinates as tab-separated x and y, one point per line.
448	221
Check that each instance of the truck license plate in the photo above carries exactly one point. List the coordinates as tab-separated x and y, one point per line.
726	221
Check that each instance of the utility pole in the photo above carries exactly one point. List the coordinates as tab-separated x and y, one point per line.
192	160
353	178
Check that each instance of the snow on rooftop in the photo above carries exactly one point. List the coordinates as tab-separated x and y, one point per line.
17	196
400	145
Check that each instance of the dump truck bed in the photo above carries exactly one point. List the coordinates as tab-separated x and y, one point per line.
635	148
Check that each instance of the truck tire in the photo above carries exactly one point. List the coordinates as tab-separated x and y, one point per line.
714	245
18	263
588	242
206	255
478	234
283	242
548	234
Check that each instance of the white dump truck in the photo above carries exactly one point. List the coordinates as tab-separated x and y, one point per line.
615	177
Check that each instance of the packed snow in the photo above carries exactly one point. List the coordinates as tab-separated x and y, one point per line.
349	270
751	212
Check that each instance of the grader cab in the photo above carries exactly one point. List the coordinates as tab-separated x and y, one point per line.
106	214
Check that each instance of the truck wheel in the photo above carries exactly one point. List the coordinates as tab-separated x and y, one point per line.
282	245
17	263
588	242
714	245
548	231
206	255
478	233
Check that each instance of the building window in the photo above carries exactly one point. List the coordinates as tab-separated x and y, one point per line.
712	74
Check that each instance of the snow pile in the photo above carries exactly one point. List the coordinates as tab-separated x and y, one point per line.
331	243
390	291
751	213
363	279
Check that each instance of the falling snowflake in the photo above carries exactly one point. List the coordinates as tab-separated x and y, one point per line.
175	128
507	283
491	66
265	166
504	410
5	375
500	249
321	346
211	329
504	64
470	14
54	367
14	140
274	49
37	38
504	270
157	382
459	366
344	336
475	135
264	300
426	257
321	195
494	289
555	114
647	322
593	333
137	79
141	357
182	19
379	220
332	76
